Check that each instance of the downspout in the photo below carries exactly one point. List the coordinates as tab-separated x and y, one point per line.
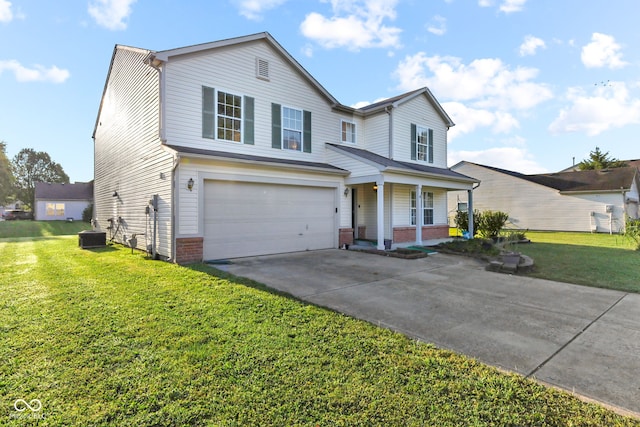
470	211
156	64
389	110
174	182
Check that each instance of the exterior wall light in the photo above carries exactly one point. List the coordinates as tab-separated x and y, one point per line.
346	191
190	184
375	187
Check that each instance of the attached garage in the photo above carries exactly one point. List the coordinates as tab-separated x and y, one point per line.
250	218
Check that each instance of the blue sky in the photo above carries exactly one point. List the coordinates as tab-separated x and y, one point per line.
530	84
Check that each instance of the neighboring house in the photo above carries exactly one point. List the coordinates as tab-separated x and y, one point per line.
10	207
62	201
231	149
576	167
592	200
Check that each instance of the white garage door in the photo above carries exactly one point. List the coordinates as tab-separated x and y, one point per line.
246	219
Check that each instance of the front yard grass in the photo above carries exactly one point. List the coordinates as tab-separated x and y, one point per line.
103	337
600	260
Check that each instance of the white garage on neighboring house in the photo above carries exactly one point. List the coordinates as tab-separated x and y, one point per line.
55	202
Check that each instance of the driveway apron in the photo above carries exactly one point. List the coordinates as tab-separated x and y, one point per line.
581	339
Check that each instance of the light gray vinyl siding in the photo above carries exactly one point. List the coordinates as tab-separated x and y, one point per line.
185	76
376	134
129	158
536	207
420	112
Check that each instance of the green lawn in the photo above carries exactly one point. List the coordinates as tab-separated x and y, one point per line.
40	228
601	260
104	337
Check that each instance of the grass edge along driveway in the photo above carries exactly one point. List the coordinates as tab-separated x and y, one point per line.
103	337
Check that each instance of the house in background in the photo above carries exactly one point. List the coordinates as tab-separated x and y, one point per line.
231	149
62	201
591	201
576	167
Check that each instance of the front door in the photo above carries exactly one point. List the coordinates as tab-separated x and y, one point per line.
354	213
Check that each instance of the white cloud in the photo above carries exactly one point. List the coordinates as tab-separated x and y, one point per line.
39	73
6	15
254	9
111	14
438	25
486	83
509	158
606	108
355	24
469	119
509	6
530	45
603	51
506	6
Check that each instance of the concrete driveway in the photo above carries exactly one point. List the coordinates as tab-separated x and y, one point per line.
578	338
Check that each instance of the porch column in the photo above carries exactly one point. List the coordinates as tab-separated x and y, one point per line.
380	215
419	214
470	212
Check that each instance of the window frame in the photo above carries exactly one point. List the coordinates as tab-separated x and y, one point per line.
424	132
413	208
428	198
344	133
225	117
55	208
285	129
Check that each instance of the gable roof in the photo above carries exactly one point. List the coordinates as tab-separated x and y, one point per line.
616	179
165	55
55	191
386	163
395	101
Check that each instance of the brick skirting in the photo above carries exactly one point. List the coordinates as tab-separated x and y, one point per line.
362	232
189	249
408	234
346	237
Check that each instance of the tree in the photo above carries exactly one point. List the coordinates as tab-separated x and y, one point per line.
6	175
599	160
29	167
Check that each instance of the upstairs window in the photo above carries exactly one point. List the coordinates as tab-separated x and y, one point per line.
290	128
348	131
421	143
227	116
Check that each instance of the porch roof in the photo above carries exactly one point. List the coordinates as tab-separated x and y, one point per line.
385	164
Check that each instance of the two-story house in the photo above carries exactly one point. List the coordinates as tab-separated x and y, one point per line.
231	149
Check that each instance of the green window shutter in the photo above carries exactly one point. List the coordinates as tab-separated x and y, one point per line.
430	145
208	112
249	132
276	126
306	134
413	141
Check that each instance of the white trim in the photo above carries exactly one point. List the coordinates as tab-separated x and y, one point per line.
355	132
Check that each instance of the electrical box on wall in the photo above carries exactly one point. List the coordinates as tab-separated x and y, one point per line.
608	208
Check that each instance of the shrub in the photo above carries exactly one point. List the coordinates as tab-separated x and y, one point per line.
462	221
491	222
87	213
632	231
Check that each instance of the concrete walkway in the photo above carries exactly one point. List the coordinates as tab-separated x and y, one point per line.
581	339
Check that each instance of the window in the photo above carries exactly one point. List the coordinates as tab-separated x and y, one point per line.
55	209
291	129
348	131
229	117
427	208
226	116
421	143
412	209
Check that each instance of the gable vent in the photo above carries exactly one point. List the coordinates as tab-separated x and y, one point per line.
262	69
